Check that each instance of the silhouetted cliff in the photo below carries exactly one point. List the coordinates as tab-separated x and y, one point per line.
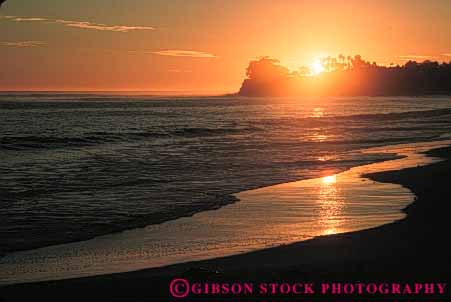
347	76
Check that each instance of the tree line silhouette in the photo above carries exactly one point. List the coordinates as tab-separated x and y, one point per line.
347	76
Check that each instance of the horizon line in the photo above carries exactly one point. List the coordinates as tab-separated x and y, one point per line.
118	91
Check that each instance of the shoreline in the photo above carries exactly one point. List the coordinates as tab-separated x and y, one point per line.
216	202
221	201
415	251
266	217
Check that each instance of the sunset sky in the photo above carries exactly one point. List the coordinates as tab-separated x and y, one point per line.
203	46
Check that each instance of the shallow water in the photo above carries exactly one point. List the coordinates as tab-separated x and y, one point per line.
264	217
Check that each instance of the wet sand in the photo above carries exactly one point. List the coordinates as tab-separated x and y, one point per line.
411	249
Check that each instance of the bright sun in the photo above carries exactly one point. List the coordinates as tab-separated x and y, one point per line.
317	67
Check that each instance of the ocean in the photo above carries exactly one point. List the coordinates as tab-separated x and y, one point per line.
76	166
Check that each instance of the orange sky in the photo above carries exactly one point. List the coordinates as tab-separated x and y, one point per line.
203	46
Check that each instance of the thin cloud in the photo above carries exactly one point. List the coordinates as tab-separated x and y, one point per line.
184	53
102	27
446	54
22	44
415	57
80	24
23	19
180	71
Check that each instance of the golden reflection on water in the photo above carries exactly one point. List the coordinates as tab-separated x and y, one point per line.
325	158
319	137
317	112
329	179
330	231
331	203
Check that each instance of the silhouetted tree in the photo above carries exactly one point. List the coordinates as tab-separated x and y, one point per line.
348	76
304	71
266	69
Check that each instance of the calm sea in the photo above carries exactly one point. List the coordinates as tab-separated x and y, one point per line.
76	166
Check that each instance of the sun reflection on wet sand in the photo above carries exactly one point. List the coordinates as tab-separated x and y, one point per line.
331	203
329	179
264	217
330	231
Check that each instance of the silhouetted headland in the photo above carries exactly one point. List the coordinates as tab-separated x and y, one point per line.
347	76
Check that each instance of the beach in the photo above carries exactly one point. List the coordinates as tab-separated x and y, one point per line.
412	249
225	151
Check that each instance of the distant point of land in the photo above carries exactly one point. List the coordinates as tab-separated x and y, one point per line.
346	76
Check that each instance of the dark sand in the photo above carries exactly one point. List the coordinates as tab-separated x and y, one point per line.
410	250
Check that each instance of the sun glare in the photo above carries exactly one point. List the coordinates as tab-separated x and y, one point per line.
316	67
330	179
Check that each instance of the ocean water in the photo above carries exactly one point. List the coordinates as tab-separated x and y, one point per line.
78	166
264	217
